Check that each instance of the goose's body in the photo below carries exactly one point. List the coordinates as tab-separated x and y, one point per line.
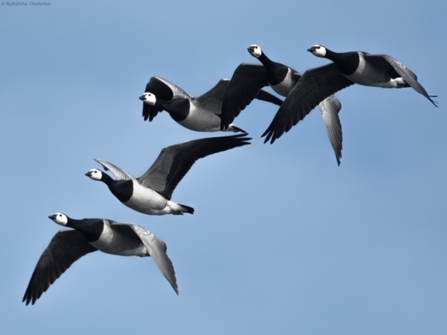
89	235
198	114
248	79
140	198
346	69
151	193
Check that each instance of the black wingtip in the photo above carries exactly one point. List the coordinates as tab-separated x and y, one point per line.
25	300
187	209
269	136
432	101
338	157
237	129
29	298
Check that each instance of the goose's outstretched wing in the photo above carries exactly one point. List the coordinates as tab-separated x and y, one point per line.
174	161
314	86
244	85
65	248
157	250
404	72
212	100
119	173
330	107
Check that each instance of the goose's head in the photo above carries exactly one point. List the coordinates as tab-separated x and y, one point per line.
255	50
94	174
148	98
59	218
317	50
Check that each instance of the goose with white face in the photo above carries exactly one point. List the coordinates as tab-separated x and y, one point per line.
94	174
90	235
317	50
148	98
152	192
346	69
255	50
201	113
59	218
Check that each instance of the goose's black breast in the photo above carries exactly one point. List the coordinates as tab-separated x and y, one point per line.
122	189
348	63
276	73
91	229
178	108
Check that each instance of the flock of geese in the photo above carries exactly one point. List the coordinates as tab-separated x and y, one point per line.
214	110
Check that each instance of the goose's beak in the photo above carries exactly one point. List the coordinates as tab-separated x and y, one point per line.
142	98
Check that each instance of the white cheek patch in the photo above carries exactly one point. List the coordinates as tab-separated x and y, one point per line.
95	174
150	99
256	51
61	219
321	51
318	50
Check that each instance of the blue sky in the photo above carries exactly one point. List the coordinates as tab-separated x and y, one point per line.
283	241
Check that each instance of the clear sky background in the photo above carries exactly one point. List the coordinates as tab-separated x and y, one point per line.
283	240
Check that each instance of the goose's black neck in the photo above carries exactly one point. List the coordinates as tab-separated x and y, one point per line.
347	62
276	72
265	60
333	56
160	102
91	228
122	189
106	179
178	108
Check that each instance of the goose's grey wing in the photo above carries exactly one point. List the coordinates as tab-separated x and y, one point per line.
162	89
157	250
66	247
314	86
174	162
212	100
244	86
404	72
330	107
119	173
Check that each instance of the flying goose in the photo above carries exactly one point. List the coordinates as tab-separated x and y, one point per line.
346	69
248	79
151	193
198	114
89	235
